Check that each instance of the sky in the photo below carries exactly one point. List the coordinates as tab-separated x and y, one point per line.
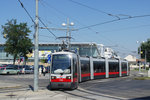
121	35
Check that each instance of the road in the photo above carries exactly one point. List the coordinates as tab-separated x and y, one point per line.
114	88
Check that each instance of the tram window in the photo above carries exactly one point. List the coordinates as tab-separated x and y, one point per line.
84	51
113	66
61	64
124	66
99	66
85	66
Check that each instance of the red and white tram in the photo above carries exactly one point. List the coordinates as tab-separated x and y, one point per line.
68	69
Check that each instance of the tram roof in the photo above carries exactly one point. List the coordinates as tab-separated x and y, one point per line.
63	52
73	44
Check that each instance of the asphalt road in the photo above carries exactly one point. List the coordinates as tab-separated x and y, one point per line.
116	88
126	88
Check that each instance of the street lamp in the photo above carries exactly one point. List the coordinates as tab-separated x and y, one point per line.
68	31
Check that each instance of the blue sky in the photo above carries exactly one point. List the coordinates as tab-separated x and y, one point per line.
122	34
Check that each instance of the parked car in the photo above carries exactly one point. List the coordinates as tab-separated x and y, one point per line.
9	70
1	66
28	70
25	69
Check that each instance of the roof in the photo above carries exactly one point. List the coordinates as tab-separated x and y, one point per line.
131	58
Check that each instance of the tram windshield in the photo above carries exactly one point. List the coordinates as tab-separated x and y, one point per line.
61	64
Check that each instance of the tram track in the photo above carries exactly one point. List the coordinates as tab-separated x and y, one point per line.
90	95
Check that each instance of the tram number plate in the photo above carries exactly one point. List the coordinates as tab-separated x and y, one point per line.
60	79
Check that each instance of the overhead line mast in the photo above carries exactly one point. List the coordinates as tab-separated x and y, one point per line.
36	52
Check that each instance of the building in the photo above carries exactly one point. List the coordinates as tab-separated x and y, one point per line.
134	62
83	49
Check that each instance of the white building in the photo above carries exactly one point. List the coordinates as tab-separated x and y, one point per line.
106	52
132	61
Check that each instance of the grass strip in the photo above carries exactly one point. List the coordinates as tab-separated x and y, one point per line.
142	78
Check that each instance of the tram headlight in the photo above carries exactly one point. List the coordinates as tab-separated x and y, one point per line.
53	77
68	77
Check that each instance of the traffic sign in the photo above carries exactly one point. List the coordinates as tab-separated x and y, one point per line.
49	58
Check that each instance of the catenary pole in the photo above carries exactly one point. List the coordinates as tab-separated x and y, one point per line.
36	52
140	60
68	40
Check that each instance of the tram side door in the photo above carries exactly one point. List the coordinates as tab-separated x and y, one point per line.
75	70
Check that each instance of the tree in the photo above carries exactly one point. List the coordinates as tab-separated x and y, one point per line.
17	41
145	50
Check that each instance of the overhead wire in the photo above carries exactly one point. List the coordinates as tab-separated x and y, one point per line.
109	14
47	28
133	27
26	11
48	5
118	18
113	21
33	20
89	28
96	10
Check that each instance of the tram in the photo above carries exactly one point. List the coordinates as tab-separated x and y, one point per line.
68	69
